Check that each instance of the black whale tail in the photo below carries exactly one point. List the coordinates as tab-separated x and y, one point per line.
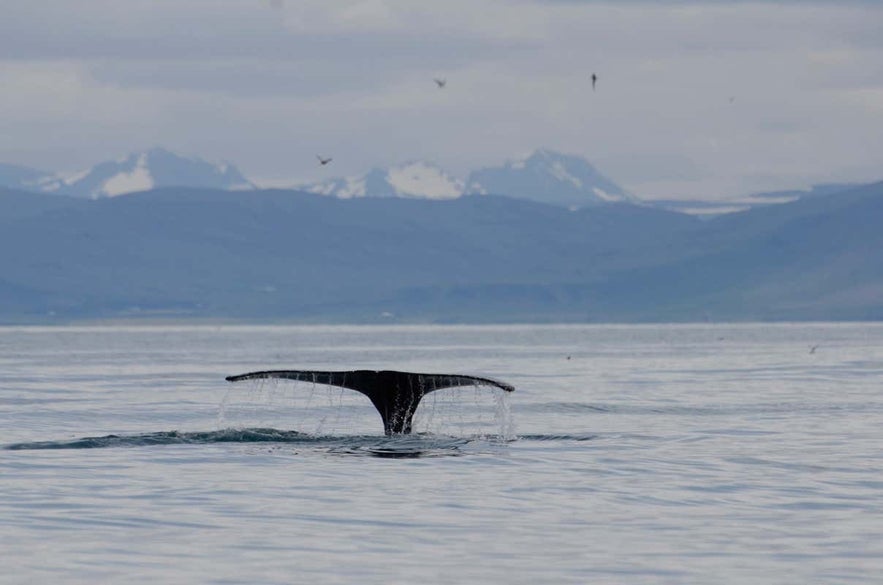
395	395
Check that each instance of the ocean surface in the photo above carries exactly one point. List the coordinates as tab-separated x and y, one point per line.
674	454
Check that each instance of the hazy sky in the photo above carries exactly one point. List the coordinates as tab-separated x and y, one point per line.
694	99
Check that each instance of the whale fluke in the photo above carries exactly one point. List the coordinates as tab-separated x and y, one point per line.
394	394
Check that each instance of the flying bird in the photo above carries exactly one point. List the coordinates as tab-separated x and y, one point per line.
594	81
323	161
440	82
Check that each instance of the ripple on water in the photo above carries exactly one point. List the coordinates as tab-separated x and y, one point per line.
404	446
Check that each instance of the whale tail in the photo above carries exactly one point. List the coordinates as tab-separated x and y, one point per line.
394	394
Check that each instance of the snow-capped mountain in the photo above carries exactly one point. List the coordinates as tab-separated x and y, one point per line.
413	179
141	171
545	176
550	177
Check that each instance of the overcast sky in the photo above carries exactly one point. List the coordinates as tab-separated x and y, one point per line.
694	99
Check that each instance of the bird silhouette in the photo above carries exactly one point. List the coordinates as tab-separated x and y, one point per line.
323	161
594	81
440	82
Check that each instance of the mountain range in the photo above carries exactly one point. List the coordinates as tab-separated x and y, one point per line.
140	171
544	175
281	255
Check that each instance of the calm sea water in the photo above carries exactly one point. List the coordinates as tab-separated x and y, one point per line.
627	454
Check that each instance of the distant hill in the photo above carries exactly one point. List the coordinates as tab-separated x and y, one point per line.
549	177
284	255
709	208
816	258
24	178
813	191
16	205
140	171
157	167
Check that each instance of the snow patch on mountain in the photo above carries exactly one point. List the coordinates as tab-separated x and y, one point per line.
138	179
602	194
413	179
343	188
353	188
419	179
560	172
75	177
